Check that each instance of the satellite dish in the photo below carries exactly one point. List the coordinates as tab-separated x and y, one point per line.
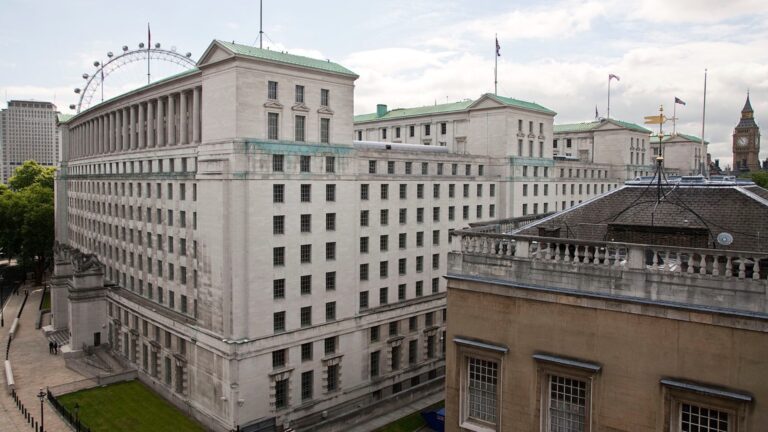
724	238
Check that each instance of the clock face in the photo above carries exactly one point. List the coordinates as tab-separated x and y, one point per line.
742	141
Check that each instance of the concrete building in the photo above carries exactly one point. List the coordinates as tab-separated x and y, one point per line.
27	132
624	313
514	134
683	154
223	232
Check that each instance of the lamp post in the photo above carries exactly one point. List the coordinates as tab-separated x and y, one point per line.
41	396
2	315
76	409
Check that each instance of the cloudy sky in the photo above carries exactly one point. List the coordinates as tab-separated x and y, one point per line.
415	52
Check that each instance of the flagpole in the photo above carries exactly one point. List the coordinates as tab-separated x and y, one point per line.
149	45
704	116
496	67
674	118
608	115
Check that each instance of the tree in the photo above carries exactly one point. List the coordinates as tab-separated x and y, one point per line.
27	217
760	178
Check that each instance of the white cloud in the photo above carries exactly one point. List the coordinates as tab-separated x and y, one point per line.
694	11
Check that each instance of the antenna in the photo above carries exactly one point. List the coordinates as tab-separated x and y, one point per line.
261	17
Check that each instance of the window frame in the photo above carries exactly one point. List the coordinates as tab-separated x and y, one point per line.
465	352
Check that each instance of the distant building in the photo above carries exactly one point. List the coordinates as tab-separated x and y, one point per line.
746	142
683	154
624	314
27	132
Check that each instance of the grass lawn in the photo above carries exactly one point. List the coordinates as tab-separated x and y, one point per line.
46	300
410	422
127	406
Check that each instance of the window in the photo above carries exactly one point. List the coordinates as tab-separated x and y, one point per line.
383	296
374	364
325	130
278	256
307	380
363	244
306	351
306	223
278	288
384	191
384	217
383	133
330	164
278	224
330	192
273	125
281	393
299	127
566	404
372	167
364	300
384	243
436	191
419	238
427	129
364	272
333	377
304	163
299	94
330	281
395	360
330	345
272	90
278	322
330	251
325	97
383	269
402	241
306	193
277	163
424	168
413	351
374	334
306	316
408	167
330	311
411	131
443	128
278	358
401	266
306	284
278	193
306	253
390	167
330	221
403	216
481	381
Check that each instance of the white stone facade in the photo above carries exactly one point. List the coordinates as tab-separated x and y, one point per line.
27	132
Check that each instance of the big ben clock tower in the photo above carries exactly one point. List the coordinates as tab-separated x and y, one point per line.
746	141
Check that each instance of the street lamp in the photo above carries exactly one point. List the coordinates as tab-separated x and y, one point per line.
41	395
76	409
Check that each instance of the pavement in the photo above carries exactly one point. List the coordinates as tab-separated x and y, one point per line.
33	367
392	416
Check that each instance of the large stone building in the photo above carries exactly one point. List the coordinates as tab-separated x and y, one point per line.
683	154
640	310
746	141
260	269
27	132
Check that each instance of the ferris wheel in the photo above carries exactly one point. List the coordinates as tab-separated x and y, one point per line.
95	81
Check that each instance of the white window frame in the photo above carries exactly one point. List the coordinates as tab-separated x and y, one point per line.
548	366
481	351
677	393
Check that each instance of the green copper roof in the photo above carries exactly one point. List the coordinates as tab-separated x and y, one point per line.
63	118
292	59
691	138
588	126
448	108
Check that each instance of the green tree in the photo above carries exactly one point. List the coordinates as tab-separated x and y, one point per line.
27	217
760	178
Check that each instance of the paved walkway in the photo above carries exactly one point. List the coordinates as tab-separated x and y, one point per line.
393	416
33	368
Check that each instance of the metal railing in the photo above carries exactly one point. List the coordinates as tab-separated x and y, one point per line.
73	420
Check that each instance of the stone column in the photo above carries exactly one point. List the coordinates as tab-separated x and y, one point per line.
89	130
124	129
132	127
171	121
102	133
196	114
160	126
183	118
150	120
142	127
118	129
112	132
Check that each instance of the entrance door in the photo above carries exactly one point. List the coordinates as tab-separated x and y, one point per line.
97	339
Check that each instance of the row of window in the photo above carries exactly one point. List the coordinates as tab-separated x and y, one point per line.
299	127
170	165
581	187
402	215
384	297
299	92
373	168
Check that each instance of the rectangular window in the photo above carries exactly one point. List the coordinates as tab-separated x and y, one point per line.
363	300
306	193
306	351
306	223
374	365
278	288
408	167
402	242
482	390
325	97
330	251
273	120
330	281
325	130
330	164
330	311
363	244
299	127
390	167
330	345
383	296
567	404
330	192
299	94
307	380
363	218
281	393
427	130
372	167
702	419
383	269
278	193
278	358
384	191
278	256
364	272
305	284
333	377
272	90
306	316
384	217
306	253
330	221
278	322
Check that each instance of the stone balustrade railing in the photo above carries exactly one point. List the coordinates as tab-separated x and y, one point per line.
714	263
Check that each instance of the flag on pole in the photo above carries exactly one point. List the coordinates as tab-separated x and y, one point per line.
612	76
149	38
596	113
679	101
498	48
